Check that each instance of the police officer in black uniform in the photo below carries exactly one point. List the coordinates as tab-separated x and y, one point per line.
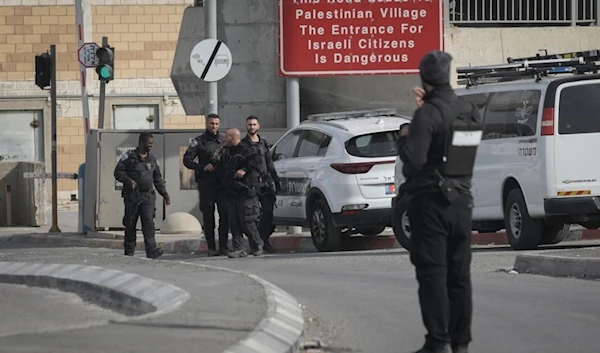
205	147
269	181
241	165
139	171
438	154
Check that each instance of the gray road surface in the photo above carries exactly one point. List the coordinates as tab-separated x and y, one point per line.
224	307
367	302
29	309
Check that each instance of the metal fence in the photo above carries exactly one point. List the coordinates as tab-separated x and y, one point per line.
522	13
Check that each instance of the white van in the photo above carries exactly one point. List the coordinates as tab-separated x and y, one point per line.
532	174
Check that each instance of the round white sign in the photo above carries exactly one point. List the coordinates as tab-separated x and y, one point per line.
210	60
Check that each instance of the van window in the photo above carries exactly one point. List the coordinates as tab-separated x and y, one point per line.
479	100
379	144
579	109
512	114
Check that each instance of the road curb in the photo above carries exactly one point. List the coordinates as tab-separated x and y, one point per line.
128	293
556	266
282	328
283	243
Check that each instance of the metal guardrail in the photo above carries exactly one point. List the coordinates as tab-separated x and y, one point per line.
523	13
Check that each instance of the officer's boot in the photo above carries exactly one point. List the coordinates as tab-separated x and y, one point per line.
210	242
155	253
427	349
268	247
237	253
463	348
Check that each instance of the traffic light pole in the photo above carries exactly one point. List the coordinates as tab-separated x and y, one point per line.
210	12
54	228
102	102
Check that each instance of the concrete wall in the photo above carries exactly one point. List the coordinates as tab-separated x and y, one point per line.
22	201
469	46
253	85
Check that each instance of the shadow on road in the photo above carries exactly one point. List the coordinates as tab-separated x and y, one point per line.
180	326
374	253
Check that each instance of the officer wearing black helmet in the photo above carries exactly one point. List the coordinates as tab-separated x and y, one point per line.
438	153
139	172
269	180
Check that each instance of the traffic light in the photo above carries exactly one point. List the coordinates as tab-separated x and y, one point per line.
106	63
43	70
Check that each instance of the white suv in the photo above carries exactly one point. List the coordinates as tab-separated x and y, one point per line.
532	176
337	174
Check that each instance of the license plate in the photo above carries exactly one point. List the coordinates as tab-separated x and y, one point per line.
390	189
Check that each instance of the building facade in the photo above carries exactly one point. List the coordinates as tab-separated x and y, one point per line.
144	34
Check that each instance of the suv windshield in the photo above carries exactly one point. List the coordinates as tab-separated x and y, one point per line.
579	109
376	145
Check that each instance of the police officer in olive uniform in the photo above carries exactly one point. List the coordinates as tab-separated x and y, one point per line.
438	152
241	165
139	171
205	147
269	181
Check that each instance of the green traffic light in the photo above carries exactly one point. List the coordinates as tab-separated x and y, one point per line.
104	72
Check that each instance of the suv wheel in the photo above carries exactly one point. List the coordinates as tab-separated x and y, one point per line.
524	232
325	236
400	222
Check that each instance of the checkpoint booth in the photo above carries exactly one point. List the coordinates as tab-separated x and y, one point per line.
103	206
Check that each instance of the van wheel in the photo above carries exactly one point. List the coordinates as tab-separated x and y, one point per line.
325	236
524	232
400	222
554	233
371	231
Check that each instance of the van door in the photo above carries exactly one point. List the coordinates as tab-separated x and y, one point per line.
577	139
509	147
479	100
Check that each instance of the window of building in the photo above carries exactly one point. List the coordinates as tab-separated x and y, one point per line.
136	117
511	114
21	136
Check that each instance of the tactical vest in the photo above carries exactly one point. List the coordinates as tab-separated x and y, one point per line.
462	137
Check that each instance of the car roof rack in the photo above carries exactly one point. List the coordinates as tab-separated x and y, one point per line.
351	114
535	67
